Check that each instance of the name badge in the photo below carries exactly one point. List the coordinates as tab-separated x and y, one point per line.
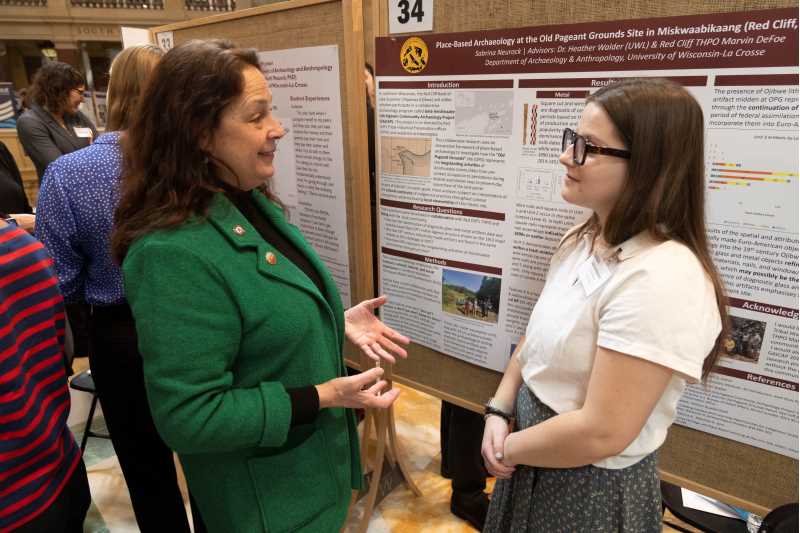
593	274
85	133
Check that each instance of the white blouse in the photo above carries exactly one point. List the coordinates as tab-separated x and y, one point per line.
643	298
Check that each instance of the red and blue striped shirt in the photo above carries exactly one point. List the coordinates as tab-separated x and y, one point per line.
37	450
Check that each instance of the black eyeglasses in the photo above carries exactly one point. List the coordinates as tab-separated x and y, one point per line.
581	147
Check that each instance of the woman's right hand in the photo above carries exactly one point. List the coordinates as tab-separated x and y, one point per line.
358	392
495	431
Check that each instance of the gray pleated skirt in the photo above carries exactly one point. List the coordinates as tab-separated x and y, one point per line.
574	500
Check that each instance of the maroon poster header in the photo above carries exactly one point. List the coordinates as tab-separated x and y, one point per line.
767	309
442	262
686	81
756	378
767	38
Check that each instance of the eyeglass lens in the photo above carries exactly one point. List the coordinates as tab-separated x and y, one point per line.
578	144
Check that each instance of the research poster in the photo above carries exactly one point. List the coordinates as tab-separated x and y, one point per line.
469	132
8	111
309	162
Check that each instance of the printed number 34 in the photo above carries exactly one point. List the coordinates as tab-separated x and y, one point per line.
415	12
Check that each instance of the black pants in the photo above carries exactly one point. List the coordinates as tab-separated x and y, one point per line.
145	460
68	511
461	432
78	314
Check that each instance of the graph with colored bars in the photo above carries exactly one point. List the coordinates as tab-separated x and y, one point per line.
529	124
733	175
750	194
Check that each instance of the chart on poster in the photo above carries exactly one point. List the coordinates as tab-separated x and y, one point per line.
469	131
309	179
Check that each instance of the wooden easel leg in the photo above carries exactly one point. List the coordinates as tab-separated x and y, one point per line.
397	451
380	426
365	436
387	446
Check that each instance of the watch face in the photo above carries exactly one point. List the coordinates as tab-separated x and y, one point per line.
11	221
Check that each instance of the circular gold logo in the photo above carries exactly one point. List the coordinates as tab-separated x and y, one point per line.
414	55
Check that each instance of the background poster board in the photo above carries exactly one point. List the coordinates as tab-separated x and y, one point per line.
309	165
295	40
8	106
452	379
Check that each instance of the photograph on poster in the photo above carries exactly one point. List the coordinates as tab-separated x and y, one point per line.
745	340
406	156
471	295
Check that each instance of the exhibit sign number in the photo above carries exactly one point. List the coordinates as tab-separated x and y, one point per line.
165	40
406	16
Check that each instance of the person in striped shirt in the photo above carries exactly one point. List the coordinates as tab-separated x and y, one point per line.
43	483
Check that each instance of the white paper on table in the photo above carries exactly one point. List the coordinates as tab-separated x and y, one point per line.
693	500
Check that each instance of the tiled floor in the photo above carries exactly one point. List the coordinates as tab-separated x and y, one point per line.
417	422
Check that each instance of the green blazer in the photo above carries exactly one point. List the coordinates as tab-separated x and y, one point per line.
223	333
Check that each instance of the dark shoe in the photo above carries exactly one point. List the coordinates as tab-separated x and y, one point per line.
470	506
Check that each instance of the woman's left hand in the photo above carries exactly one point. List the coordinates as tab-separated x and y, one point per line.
374	338
495	436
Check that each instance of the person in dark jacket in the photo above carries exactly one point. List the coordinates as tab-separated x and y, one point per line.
53	126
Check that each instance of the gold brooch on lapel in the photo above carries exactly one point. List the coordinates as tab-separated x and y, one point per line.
271	259
238	230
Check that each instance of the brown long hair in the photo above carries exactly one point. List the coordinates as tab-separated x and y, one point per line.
167	177
52	84
664	194
129	72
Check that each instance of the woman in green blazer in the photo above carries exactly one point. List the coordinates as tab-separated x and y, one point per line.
240	324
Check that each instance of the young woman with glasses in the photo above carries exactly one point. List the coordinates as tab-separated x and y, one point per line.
632	309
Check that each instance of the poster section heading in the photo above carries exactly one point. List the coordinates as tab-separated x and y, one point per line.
726	40
309	159
471	208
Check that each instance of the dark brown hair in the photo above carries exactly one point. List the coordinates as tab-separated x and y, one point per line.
52	84
664	193
129	72
167	177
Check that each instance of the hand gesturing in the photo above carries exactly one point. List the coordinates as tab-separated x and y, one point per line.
377	340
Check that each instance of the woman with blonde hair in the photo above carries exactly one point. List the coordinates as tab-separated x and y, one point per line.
632	309
75	217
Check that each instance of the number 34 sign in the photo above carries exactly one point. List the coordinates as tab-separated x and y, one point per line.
406	16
